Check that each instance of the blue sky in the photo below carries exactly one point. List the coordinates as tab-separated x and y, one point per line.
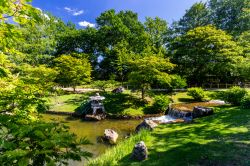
84	12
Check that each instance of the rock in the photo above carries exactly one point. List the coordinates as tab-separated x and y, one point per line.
188	119
217	102
118	90
146	124
201	111
140	151
110	136
94	117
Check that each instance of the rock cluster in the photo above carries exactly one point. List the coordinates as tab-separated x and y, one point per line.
118	90
146	124
140	151
110	136
201	111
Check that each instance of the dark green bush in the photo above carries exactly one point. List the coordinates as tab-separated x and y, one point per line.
198	94
234	95
245	102
161	103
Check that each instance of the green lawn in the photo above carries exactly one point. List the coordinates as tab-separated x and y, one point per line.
119	104
220	139
68	102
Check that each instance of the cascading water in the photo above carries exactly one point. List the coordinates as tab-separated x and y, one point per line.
179	114
172	115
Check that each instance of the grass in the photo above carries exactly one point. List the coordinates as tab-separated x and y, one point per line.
117	153
119	104
220	139
68	102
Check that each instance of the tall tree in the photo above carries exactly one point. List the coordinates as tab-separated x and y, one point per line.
157	29
232	16
205	51
114	28
196	16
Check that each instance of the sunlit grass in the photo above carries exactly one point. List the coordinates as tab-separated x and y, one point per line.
220	139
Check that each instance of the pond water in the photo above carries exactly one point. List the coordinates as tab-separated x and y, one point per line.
92	130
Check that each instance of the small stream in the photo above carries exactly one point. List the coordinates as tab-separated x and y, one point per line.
92	130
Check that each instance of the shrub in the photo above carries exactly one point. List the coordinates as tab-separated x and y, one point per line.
198	94
234	95
161	103
245	102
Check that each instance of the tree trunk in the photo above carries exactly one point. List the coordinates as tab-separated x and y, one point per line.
143	93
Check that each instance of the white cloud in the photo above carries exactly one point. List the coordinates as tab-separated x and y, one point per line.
77	13
74	12
85	24
46	16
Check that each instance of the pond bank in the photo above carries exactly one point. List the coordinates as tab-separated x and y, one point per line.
108	116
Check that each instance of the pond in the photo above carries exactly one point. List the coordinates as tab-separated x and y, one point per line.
92	130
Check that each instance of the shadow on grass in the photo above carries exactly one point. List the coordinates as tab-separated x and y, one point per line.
219	140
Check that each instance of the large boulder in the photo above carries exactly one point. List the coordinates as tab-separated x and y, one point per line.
140	151
110	136
201	111
118	90
146	124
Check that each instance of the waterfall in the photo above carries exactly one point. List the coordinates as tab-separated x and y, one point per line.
178	114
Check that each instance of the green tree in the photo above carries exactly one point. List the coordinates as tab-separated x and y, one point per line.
205	51
232	16
196	16
114	28
40	76
244	41
157	29
72	71
149	70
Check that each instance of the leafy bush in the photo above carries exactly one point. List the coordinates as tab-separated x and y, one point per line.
161	103
103	85
198	94
234	95
245	102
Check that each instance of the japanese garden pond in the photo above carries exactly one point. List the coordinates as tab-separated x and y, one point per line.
93	129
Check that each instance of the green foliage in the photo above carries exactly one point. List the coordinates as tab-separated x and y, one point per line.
72	71
157	30
234	95
149	70
104	85
177	82
198	94
196	16
40	76
205	51
160	104
245	102
231	16
38	143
